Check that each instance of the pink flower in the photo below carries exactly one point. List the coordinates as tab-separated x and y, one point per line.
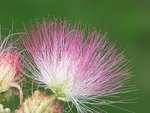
10	68
78	68
39	103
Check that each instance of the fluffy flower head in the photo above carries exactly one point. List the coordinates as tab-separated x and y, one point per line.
77	67
10	67
37	102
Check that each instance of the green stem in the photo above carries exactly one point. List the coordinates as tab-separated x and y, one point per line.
48	103
20	91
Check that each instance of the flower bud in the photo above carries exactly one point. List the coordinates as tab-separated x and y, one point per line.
4	110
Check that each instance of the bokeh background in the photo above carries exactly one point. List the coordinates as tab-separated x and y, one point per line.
126	21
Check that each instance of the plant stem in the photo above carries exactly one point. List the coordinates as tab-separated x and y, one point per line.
48	103
20	91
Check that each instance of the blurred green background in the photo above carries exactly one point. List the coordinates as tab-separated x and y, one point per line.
126	21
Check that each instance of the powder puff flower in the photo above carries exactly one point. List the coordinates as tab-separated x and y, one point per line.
78	68
10	68
40	102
